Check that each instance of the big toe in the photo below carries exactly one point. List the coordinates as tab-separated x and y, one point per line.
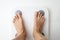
39	14
19	14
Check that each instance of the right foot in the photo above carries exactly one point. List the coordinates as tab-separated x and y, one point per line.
38	26
19	25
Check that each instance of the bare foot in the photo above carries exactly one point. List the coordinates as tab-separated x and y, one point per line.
19	25
38	26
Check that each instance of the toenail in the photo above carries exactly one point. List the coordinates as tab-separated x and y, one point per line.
18	11
42	12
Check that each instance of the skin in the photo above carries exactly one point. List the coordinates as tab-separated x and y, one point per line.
38	26
19	25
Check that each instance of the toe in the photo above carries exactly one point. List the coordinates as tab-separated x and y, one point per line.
14	19
19	14
43	18
36	14
39	14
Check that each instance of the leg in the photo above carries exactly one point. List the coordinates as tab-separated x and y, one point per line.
38	26
19	25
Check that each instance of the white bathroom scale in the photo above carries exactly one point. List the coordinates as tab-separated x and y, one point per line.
28	17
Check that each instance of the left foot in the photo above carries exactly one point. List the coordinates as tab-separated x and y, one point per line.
19	25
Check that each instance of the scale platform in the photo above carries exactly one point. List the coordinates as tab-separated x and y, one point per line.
28	17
